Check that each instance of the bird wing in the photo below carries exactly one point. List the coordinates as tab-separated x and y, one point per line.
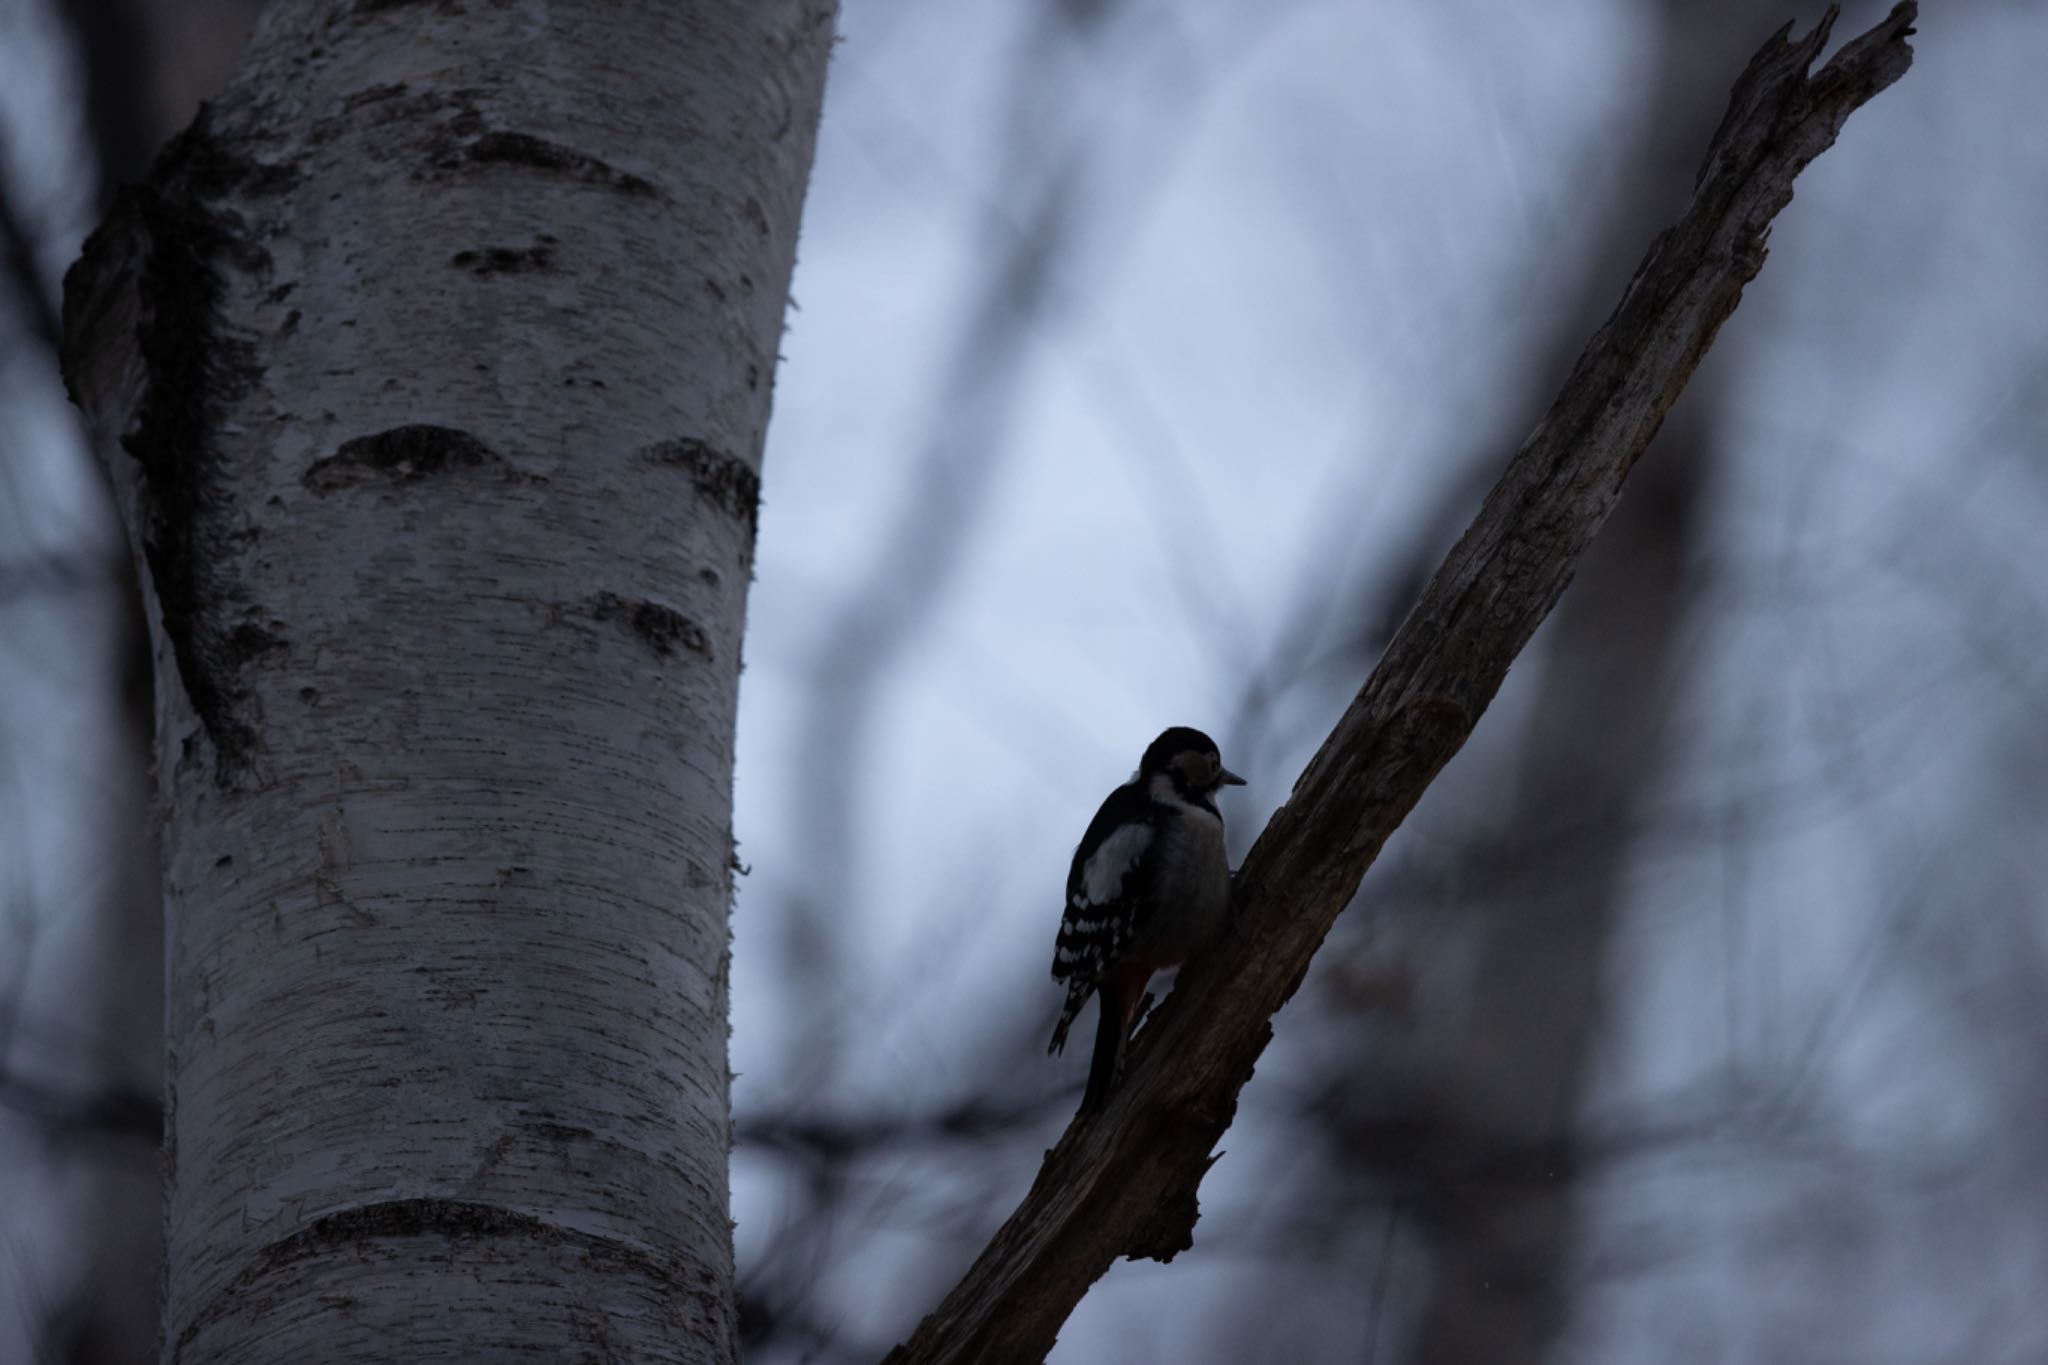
1105	885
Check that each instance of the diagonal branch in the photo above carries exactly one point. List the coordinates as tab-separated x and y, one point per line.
1124	1182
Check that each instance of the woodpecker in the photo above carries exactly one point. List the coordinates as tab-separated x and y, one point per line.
1150	884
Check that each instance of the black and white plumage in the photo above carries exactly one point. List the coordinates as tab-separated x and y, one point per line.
1149	884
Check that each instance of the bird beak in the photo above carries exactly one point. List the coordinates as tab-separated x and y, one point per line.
1229	778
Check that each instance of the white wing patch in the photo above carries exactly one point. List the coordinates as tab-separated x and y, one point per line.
1103	877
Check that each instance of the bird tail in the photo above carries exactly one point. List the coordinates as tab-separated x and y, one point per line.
1077	996
1112	1031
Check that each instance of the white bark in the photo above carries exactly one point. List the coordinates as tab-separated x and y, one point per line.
440	350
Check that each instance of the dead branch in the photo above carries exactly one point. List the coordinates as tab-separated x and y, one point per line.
1124	1182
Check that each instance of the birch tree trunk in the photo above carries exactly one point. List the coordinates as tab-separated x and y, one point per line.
432	367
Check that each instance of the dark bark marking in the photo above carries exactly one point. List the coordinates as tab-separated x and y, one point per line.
455	134
660	628
365	8
454	1220
457	1219
538	259
396	104
193	370
449	988
399	456
558	1132
524	149
249	641
725	481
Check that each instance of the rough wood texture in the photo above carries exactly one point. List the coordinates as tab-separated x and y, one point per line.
431	369
1124	1182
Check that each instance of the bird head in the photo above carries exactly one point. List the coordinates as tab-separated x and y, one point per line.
1190	759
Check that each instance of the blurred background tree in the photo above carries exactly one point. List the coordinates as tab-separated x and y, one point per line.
1148	357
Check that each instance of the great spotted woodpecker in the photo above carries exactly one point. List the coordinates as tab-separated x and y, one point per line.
1150	884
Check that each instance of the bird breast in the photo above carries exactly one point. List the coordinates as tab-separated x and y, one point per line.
1191	893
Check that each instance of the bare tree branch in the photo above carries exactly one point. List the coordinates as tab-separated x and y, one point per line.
107	1111
1124	1182
18	246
